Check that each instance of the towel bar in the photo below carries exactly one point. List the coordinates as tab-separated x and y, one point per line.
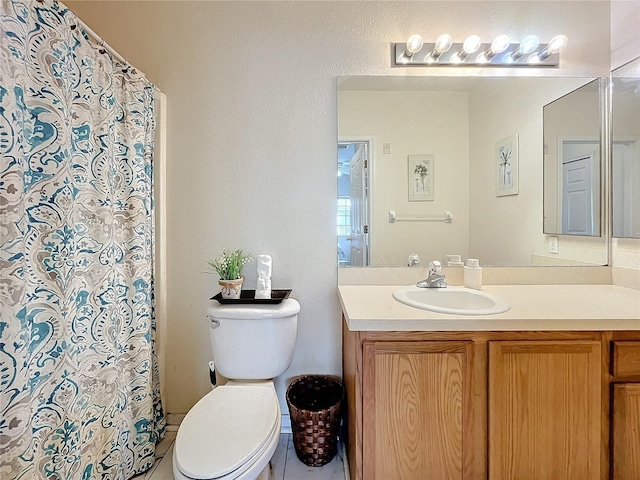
447	218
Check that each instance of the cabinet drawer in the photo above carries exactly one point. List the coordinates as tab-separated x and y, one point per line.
626	359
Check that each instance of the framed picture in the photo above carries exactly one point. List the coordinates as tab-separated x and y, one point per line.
421	178
507	166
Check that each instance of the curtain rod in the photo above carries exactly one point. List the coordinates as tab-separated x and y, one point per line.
98	39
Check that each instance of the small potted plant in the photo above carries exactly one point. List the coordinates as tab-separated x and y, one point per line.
229	268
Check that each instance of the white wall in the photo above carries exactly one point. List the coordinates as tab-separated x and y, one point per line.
625	46
625	31
413	123
251	99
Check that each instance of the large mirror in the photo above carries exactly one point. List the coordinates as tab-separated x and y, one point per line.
439	166
625	149
572	173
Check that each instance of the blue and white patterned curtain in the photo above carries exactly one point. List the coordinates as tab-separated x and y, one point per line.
79	393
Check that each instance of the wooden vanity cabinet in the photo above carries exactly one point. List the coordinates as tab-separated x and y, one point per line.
491	405
625	417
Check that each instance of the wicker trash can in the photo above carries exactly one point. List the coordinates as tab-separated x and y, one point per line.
314	404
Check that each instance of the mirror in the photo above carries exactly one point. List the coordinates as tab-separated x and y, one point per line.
625	150
572	179
448	166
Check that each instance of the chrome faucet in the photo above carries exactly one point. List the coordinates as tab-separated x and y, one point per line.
435	279
413	260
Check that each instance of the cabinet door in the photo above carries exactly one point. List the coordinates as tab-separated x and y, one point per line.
544	410
626	431
417	410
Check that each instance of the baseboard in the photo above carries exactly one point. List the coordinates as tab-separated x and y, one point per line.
174	420
286	424
345	462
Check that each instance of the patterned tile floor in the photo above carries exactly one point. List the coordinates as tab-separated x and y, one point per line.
285	463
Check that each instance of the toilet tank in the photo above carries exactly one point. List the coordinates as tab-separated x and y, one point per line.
253	342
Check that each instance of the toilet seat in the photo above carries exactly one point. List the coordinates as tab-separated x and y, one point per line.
228	431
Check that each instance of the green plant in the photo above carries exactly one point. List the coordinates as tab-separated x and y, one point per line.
229	265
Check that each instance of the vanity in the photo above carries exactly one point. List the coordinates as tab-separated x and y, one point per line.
549	389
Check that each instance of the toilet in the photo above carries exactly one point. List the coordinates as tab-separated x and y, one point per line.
233	431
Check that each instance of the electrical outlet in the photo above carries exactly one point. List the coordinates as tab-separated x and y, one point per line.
386	148
553	245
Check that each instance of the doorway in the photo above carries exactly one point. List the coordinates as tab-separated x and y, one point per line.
353	202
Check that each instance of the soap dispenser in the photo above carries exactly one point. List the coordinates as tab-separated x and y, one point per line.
473	274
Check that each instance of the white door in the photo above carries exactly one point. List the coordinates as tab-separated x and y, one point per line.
358	218
626	186
578	216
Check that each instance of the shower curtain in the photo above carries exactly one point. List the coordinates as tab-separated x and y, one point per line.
79	393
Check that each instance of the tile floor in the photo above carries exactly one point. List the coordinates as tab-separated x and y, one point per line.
285	463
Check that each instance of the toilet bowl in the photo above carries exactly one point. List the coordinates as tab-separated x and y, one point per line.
233	431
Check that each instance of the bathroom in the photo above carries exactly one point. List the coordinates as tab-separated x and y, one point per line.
251	109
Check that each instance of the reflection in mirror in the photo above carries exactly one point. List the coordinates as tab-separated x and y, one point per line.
352	202
454	166
572	162
625	129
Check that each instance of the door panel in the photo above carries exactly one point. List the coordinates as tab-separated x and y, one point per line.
544	410
358	254
626	189
417	411
626	431
577	196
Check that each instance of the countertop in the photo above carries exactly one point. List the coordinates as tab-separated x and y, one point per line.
533	307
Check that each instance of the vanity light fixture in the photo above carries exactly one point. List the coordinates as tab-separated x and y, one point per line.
500	52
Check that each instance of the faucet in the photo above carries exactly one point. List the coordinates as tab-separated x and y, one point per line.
413	260
435	279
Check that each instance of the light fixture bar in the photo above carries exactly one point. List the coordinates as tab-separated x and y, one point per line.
510	57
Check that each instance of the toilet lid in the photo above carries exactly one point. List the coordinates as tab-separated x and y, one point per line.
225	429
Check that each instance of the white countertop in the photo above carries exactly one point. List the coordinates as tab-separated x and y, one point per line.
533	307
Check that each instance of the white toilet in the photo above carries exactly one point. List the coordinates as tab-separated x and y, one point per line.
233	431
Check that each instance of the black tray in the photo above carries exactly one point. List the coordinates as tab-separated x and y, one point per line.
248	297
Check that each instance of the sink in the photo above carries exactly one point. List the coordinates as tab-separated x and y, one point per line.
452	300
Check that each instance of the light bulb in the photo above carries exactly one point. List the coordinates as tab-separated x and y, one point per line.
556	44
499	44
443	43
528	45
414	44
534	58
471	44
